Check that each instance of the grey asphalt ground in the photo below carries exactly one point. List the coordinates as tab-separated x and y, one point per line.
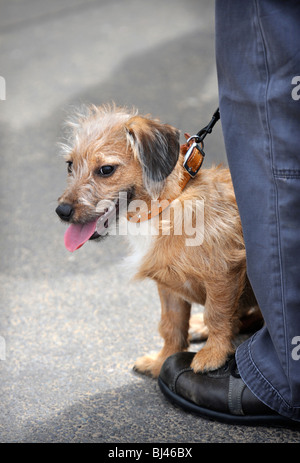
72	325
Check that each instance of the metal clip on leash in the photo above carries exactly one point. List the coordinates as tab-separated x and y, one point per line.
195	149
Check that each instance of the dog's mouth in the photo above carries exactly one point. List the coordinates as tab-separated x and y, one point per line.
77	233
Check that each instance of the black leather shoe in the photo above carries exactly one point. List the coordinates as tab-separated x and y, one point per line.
219	394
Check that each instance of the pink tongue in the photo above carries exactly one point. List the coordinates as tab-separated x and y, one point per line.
77	234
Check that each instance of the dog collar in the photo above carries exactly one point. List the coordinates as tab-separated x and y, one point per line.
193	159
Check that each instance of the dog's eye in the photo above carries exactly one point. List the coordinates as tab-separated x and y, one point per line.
70	164
106	171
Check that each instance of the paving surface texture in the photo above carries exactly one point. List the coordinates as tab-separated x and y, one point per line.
71	325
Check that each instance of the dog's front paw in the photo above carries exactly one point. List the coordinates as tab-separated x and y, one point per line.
149	365
210	358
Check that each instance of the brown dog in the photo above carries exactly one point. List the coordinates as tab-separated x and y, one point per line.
119	164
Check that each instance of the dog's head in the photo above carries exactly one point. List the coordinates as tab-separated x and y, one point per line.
112	150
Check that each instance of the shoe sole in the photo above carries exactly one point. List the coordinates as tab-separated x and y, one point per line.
253	420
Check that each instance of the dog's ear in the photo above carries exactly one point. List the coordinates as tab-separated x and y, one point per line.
156	146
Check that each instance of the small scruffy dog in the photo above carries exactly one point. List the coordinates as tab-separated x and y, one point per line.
116	157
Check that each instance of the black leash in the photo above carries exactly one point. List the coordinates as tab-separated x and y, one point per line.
199	137
195	154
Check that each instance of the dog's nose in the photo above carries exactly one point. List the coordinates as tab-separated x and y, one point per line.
65	211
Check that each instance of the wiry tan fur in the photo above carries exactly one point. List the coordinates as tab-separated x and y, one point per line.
212	274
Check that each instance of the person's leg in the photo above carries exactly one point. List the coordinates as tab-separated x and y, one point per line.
258	55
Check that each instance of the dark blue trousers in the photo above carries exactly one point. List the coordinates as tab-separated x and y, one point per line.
258	62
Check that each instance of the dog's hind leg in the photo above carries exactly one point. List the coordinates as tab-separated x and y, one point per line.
249	322
198	330
173	327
